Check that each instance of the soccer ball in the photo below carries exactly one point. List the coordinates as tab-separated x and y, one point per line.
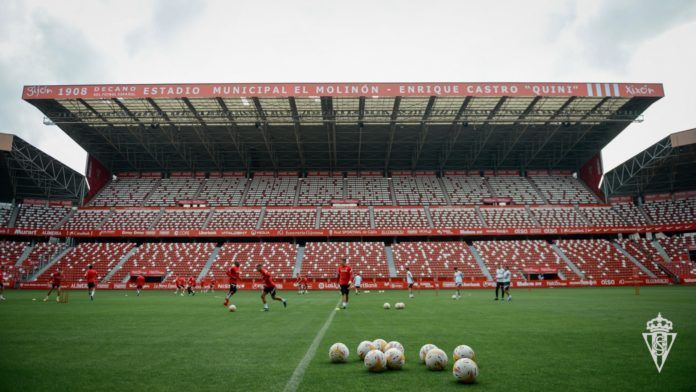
365	347
395	358
454	296
436	359
232	308
424	351
463	351
380	344
386	306
375	361
465	371
338	353
399	306
394	344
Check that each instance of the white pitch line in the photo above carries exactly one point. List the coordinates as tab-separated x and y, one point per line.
298	374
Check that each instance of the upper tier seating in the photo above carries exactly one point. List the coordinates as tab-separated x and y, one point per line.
672	211
599	259
630	213
435	259
40	254
103	256
40	217
5	212
272	191
170	190
521	255
321	259
563	190
130	220
676	249
318	191
444	217
283	218
372	191
124	192
184	259
185	219
420	190
278	257
466	190
394	218
86	220
234	219
602	216
643	251
225	191
557	217
506	217
345	218
518	188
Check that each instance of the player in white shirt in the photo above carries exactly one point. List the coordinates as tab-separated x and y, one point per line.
506	283
409	280
357	281
458	280
499	272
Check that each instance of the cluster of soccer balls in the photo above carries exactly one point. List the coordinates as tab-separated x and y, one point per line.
397	306
378	355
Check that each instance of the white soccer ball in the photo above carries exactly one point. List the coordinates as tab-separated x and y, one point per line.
232	308
454	296
338	353
436	359
394	344
463	351
365	347
380	344
424	351
465	371
399	306
395	358
386	306
375	361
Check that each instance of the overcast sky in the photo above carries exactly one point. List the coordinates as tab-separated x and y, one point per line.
123	41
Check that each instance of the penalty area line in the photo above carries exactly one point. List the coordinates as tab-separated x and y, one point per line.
298	374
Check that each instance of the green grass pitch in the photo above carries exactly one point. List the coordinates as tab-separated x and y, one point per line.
586	339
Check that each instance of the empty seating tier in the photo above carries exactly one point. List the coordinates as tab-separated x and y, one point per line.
103	256
369	191
676	249
184	259
86	220
226	191
671	212
413	191
506	217
345	218
283	218
130	220
124	192
602	216
599	259
319	191
234	219
271	191
630	213
186	219
466	190
169	190
522	255
435	259
40	217
643	251
395	218
321	259
563	190
455	217
518	189
557	217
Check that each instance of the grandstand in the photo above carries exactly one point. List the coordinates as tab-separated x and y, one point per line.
407	177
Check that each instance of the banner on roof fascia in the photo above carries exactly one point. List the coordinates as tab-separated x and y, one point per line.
352	232
591	173
212	90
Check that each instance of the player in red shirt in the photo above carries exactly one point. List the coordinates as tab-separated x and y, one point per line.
56	277
191	285
139	283
232	276
345	276
211	285
2	283
91	276
269	287
304	284
180	282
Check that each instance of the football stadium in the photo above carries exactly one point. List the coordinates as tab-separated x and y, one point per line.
349	236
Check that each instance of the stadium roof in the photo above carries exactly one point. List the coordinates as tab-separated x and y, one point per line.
343	126
27	172
667	166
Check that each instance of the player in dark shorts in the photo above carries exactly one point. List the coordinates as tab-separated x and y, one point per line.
233	275
91	276
345	276
269	287
191	285
180	285
56	278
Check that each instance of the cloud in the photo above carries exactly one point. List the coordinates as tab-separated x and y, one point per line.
168	20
